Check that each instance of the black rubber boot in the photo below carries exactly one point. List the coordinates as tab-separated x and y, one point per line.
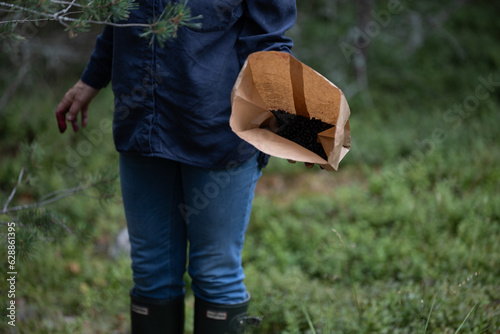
210	318
151	316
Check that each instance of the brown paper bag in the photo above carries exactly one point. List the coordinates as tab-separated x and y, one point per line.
271	80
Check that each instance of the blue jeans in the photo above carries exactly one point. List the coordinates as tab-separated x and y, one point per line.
173	209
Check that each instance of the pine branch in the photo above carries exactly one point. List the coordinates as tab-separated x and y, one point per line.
164	28
66	3
61	18
56	195
65	10
64	194
62	224
13	192
51	197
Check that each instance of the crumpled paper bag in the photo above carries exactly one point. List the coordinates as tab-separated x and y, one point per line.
272	80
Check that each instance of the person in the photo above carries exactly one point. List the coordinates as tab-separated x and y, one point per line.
187	180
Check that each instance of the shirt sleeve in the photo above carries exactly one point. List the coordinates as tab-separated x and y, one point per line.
265	25
97	73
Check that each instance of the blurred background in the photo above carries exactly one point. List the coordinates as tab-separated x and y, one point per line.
403	238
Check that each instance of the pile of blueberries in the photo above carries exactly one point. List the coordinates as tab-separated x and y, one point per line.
301	130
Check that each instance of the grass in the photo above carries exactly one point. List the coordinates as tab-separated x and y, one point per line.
404	238
358	251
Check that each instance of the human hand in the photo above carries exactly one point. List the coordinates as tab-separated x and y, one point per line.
307	164
76	99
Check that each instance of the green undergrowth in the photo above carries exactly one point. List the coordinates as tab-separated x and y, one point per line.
407	244
403	238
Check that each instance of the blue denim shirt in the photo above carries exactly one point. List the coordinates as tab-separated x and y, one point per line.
174	102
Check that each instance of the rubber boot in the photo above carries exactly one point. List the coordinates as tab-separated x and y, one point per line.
210	318
151	316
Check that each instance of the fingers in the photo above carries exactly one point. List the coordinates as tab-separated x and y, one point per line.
61	121
73	111
76	100
61	111
84	114
68	110
307	164
74	124
72	116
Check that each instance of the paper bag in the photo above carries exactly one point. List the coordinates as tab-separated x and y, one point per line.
271	80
